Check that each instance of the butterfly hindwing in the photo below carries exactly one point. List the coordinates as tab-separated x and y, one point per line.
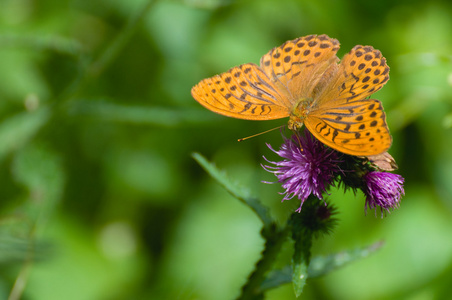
243	92
357	128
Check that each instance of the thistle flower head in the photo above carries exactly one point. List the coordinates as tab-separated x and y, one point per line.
308	167
383	189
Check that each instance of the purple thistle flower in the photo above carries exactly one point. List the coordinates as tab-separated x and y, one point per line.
308	167
383	189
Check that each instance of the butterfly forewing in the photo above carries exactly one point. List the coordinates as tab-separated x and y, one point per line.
243	92
298	65
362	72
357	128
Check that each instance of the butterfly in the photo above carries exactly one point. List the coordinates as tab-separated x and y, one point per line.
304	80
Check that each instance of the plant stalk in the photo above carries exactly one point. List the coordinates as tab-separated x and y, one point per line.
274	239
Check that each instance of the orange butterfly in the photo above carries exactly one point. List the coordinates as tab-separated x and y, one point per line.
303	79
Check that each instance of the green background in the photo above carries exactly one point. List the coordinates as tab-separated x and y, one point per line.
101	199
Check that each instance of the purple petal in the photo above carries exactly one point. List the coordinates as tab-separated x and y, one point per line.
308	167
383	189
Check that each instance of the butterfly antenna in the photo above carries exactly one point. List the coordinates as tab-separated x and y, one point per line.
254	135
299	142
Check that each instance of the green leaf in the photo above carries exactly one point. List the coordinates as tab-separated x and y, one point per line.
237	191
15	249
140	114
121	40
208	4
278	277
299	276
38	43
19	129
302	254
320	265
40	170
302	226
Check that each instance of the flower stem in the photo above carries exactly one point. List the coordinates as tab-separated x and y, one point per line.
90	69
112	51
274	239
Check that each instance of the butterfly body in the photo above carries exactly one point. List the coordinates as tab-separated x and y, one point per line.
303	80
299	113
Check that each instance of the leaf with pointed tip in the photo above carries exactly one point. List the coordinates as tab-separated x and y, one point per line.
159	116
302	254
17	249
237	191
320	265
38	168
299	276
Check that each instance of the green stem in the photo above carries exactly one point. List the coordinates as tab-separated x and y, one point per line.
22	278
90	70
274	240
302	248
119	42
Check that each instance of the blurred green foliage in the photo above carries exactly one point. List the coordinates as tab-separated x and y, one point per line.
101	199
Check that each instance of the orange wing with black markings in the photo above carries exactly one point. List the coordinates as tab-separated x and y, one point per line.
296	67
243	92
